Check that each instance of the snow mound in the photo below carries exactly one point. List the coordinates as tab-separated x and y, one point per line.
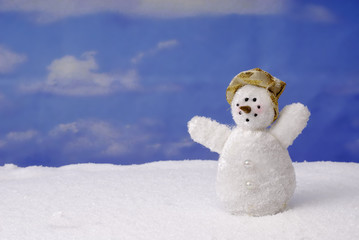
168	200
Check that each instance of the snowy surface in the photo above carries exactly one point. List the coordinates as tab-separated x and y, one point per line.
168	200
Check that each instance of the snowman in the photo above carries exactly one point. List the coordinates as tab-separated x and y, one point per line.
255	174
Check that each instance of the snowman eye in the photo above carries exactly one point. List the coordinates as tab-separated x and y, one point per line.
254	99
246	99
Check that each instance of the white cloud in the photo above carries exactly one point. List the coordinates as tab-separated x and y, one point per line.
74	76
174	148
89	135
96	140
101	137
64	128
101	129
130	80
80	77
9	60
21	136
109	140
187	8
51	10
115	149
159	47
318	13
167	44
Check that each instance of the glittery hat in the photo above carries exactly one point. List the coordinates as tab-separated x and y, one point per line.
257	77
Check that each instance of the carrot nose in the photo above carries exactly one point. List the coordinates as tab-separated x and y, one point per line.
246	109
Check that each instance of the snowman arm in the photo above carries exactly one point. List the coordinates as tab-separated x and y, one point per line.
209	133
291	122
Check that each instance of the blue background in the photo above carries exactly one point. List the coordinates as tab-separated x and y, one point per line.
163	69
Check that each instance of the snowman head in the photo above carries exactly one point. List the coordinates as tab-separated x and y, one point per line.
253	96
252	107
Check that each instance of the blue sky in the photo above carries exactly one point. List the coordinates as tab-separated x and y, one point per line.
117	81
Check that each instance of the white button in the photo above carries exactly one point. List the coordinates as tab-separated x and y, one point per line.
250	185
248	164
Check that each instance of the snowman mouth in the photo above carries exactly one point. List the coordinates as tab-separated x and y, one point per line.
247	119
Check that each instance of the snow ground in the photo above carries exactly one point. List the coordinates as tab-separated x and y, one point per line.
168	200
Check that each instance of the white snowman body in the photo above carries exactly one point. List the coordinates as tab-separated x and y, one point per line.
255	173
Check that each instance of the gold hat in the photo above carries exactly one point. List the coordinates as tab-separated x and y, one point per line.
257	77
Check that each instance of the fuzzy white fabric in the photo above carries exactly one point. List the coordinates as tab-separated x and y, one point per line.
293	119
211	134
255	173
